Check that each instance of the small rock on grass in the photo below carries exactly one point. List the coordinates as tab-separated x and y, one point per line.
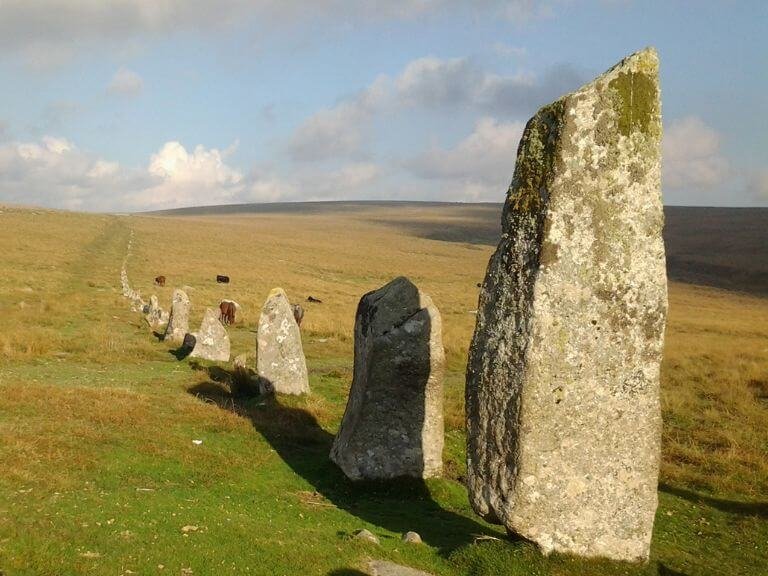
366	535
384	568
412	538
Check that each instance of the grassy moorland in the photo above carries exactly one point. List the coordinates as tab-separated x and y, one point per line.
97	417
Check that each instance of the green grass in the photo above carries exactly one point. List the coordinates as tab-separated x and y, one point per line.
100	474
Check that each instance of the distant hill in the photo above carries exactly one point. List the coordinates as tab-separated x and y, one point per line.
720	247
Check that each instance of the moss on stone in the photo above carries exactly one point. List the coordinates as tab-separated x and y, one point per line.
637	101
536	157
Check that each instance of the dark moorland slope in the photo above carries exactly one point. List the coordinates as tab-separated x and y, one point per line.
720	247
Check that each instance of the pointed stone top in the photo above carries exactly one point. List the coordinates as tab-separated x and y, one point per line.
633	85
277	292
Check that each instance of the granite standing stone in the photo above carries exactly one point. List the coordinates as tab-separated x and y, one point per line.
212	340
393	423
178	322
562	390
155	315
281	365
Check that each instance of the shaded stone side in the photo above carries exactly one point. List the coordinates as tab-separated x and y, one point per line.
563	376
281	365
178	320
393	422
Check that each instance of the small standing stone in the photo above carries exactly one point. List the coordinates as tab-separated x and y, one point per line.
212	340
155	315
281	365
178	322
393	423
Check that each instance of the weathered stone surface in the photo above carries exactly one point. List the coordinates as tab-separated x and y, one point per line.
412	538
281	365
562	388
178	321
366	535
154	314
393	423
212	340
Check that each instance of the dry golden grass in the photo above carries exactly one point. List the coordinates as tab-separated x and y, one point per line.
97	418
715	373
714	381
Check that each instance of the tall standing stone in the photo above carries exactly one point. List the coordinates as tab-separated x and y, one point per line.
211	342
393	423
178	321
281	364
562	388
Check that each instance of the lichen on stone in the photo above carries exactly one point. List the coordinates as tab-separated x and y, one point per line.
636	101
536	155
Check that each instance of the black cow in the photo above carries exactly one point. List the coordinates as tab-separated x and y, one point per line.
222	279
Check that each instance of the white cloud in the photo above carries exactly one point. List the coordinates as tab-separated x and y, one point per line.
48	32
426	83
691	156
339	131
355	180
487	154
480	166
54	172
125	83
188	179
457	82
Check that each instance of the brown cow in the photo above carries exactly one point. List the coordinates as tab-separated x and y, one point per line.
227	310
160	280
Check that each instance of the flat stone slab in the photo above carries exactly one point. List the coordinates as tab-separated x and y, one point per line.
385	568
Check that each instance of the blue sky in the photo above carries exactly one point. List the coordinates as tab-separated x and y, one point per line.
141	104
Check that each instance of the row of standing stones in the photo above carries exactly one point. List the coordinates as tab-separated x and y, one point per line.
562	383
281	365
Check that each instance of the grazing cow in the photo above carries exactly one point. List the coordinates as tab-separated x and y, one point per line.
298	313
222	279
160	280
313	299
227	310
